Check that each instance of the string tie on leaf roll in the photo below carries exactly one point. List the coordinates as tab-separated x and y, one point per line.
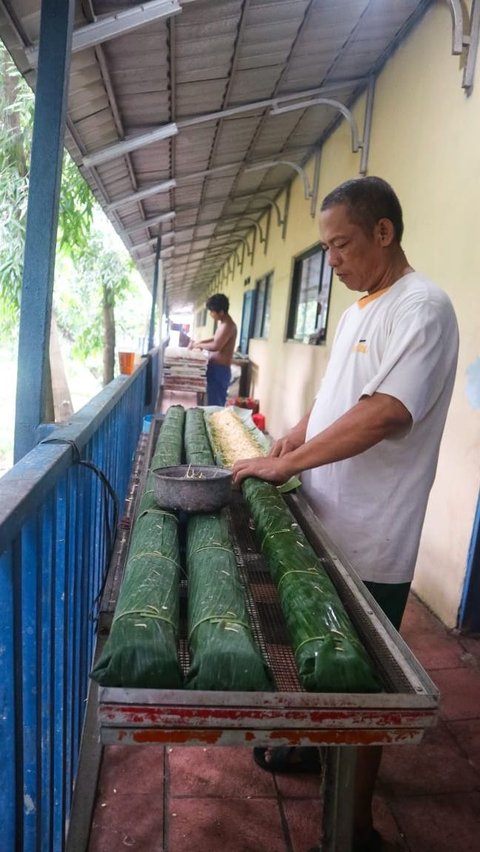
223	652
217	619
141	649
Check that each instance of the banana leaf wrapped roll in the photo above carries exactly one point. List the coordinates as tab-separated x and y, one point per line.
197	444
224	655
329	654
168	451
141	650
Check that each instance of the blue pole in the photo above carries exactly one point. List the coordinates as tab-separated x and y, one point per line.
42	218
154	292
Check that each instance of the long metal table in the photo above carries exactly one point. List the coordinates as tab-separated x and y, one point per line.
289	716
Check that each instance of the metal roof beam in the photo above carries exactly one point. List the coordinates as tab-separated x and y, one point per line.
167	130
154	220
130	144
156	189
115	25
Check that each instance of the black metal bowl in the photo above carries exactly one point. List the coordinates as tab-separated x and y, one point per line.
192	487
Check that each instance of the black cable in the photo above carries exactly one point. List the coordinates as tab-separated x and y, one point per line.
107	491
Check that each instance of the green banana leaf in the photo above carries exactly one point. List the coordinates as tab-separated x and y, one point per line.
223	652
168	451
141	650
329	654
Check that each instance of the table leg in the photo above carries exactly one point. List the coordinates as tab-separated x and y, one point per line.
338	764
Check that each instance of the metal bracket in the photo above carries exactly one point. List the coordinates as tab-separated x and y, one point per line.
367	126
347	114
240	239
298	169
240	259
256	224
316	180
466	41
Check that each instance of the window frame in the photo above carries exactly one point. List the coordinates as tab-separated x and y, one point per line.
263	320
318	335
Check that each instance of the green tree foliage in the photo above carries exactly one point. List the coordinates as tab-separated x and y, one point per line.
76	199
90	276
86	296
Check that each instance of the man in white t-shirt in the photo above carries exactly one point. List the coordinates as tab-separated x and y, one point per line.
368	448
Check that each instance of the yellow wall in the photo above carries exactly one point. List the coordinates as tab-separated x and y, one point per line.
425	141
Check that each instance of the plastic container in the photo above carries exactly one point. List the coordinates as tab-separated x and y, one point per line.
147	423
259	420
126	361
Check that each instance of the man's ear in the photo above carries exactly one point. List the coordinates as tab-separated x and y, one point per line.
385	231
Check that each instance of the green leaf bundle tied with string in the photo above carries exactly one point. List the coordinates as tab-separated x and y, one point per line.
224	655
141	650
329	654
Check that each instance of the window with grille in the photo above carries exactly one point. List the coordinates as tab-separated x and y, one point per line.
310	299
261	321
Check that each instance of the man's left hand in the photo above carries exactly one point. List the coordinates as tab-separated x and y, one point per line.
268	468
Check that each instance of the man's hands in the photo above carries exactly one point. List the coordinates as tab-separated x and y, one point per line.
275	467
269	468
283	446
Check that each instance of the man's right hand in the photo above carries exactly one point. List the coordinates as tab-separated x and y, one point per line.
283	445
294	439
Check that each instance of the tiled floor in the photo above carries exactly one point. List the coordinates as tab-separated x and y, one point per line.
153	799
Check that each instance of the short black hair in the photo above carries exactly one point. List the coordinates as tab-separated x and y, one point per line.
368	200
218	302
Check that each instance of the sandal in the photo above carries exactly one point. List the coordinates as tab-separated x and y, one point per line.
300	759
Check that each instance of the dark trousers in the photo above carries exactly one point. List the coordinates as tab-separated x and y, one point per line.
218	380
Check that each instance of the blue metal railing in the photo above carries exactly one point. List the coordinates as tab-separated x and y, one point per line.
56	531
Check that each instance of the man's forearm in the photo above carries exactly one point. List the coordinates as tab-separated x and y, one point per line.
370	421
297	433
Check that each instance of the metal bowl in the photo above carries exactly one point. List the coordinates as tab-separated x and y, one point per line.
192	487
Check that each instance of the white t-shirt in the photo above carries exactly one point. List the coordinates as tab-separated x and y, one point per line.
402	341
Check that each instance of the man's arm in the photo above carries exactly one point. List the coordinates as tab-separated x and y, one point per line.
370	421
294	438
200	344
220	339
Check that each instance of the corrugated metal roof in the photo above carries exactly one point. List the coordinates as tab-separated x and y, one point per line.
213	56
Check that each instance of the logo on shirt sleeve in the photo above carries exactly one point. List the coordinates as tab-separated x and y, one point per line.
361	346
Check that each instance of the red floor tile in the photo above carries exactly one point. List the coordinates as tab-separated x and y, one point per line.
131	769
225	825
436	765
471	648
298	786
460	693
467	735
220	771
443	652
448	823
303	817
123	821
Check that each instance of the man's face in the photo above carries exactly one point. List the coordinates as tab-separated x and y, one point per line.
359	259
214	315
